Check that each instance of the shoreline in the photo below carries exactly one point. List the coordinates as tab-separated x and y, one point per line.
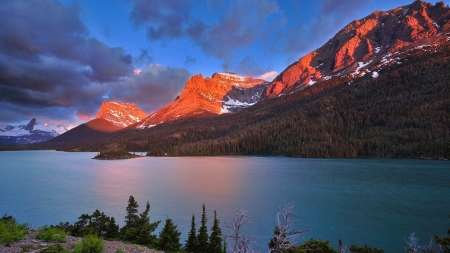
32	245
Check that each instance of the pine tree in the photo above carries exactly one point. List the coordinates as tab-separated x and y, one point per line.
138	228
191	242
203	245
112	230
215	240
144	228
132	210
169	238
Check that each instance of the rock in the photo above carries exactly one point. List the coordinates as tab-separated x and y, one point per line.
120	114
363	40
223	92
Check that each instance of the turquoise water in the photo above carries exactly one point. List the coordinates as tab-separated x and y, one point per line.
378	202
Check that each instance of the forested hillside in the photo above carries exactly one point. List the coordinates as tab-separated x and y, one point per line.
405	112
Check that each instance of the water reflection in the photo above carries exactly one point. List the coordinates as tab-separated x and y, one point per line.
373	201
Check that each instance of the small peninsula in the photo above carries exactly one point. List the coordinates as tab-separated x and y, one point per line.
114	154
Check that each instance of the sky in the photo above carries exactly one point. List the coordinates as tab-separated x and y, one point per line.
60	59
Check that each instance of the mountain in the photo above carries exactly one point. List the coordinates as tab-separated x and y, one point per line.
111	117
33	132
92	130
389	101
363	43
222	93
404	112
120	114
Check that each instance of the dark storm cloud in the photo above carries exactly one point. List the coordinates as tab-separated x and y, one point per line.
51	68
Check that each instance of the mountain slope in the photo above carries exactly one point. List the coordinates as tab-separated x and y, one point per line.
120	114
33	132
95	129
364	42
393	104
222	93
404	112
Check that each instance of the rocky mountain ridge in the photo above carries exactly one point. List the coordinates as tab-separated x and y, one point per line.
363	43
221	93
33	132
120	114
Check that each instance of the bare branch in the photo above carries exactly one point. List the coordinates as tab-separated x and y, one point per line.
240	243
412	243
284	235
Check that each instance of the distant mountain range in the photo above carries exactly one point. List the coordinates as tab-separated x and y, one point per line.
31	133
379	87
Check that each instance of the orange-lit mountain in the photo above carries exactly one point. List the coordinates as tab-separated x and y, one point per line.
363	43
112	117
221	93
120	114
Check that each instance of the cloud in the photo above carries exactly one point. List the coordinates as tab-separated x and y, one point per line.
269	76
51	68
248	67
242	23
303	38
144	58
162	19
154	87
189	61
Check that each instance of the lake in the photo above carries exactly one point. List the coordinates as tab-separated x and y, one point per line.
377	202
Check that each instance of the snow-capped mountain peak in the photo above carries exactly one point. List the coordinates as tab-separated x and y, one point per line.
376	40
34	131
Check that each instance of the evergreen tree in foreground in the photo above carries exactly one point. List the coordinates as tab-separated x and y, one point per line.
215	240
138	228
191	242
202	238
169	238
132	210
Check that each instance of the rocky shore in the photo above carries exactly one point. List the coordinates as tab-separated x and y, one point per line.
32	245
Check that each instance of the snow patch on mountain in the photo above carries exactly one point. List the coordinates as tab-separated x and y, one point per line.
31	133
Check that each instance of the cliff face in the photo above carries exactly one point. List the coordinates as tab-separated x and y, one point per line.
222	93
120	114
365	41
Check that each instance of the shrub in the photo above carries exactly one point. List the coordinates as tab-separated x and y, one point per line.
55	249
89	244
24	248
53	234
10	231
119	250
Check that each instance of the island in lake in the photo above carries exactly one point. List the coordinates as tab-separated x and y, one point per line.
115	154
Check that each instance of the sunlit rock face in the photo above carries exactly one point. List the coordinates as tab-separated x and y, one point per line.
364	42
221	93
121	114
33	132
